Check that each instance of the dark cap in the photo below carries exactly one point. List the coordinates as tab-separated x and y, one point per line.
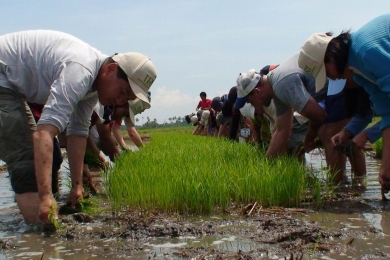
232	96
267	69
216	104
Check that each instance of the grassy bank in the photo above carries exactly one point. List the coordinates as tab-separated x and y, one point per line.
184	173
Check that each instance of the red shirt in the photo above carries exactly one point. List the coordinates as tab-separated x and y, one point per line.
205	104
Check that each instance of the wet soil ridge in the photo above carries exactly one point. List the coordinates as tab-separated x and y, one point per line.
277	232
275	229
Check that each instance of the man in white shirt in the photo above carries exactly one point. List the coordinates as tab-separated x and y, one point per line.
68	76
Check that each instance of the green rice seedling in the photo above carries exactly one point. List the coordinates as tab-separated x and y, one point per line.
54	221
179	172
378	146
90	158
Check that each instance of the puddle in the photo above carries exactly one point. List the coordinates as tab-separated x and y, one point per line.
367	232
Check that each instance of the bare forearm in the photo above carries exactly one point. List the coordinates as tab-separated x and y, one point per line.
278	144
118	136
92	145
43	160
76	150
107	142
135	137
386	150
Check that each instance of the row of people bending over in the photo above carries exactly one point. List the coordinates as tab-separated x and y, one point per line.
337	116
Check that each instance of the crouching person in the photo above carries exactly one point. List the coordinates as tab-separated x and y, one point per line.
67	76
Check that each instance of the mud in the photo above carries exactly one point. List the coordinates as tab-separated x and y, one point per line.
241	232
278	233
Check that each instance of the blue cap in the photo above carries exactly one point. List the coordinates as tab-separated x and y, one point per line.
240	102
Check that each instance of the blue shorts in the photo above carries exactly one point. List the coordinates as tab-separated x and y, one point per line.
334	107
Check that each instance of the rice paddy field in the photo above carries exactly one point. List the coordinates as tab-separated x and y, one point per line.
197	197
179	172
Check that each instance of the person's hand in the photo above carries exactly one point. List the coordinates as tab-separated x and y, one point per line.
87	180
360	140
341	137
384	180
48	209
76	193
101	157
103	163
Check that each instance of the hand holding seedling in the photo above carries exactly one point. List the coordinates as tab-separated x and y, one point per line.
76	193
48	209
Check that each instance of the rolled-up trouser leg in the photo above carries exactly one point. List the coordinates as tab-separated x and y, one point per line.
16	146
20	166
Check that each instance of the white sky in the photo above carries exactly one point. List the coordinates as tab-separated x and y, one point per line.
195	45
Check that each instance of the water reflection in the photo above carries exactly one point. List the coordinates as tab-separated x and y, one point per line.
316	160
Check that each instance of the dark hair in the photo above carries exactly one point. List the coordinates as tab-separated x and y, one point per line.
337	51
227	108
120	73
149	96
203	94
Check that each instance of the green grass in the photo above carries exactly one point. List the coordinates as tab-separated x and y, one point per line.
170	129
378	147
180	172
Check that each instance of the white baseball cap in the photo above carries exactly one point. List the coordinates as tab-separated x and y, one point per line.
140	71
246	82
311	57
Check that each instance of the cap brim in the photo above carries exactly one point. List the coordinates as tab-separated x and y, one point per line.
240	102
131	115
139	92
321	78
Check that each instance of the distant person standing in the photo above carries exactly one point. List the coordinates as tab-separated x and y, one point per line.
204	107
68	77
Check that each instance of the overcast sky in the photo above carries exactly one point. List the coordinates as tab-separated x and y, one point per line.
195	45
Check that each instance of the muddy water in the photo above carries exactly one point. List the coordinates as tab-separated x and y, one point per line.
32	244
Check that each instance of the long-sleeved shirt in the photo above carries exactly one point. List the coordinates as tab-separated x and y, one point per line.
369	58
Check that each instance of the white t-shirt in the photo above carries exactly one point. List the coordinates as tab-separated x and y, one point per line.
55	69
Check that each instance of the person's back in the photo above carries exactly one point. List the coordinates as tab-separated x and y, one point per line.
296	95
43	57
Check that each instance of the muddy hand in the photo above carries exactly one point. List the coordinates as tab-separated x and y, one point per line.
76	194
384	180
383	192
48	209
87	180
